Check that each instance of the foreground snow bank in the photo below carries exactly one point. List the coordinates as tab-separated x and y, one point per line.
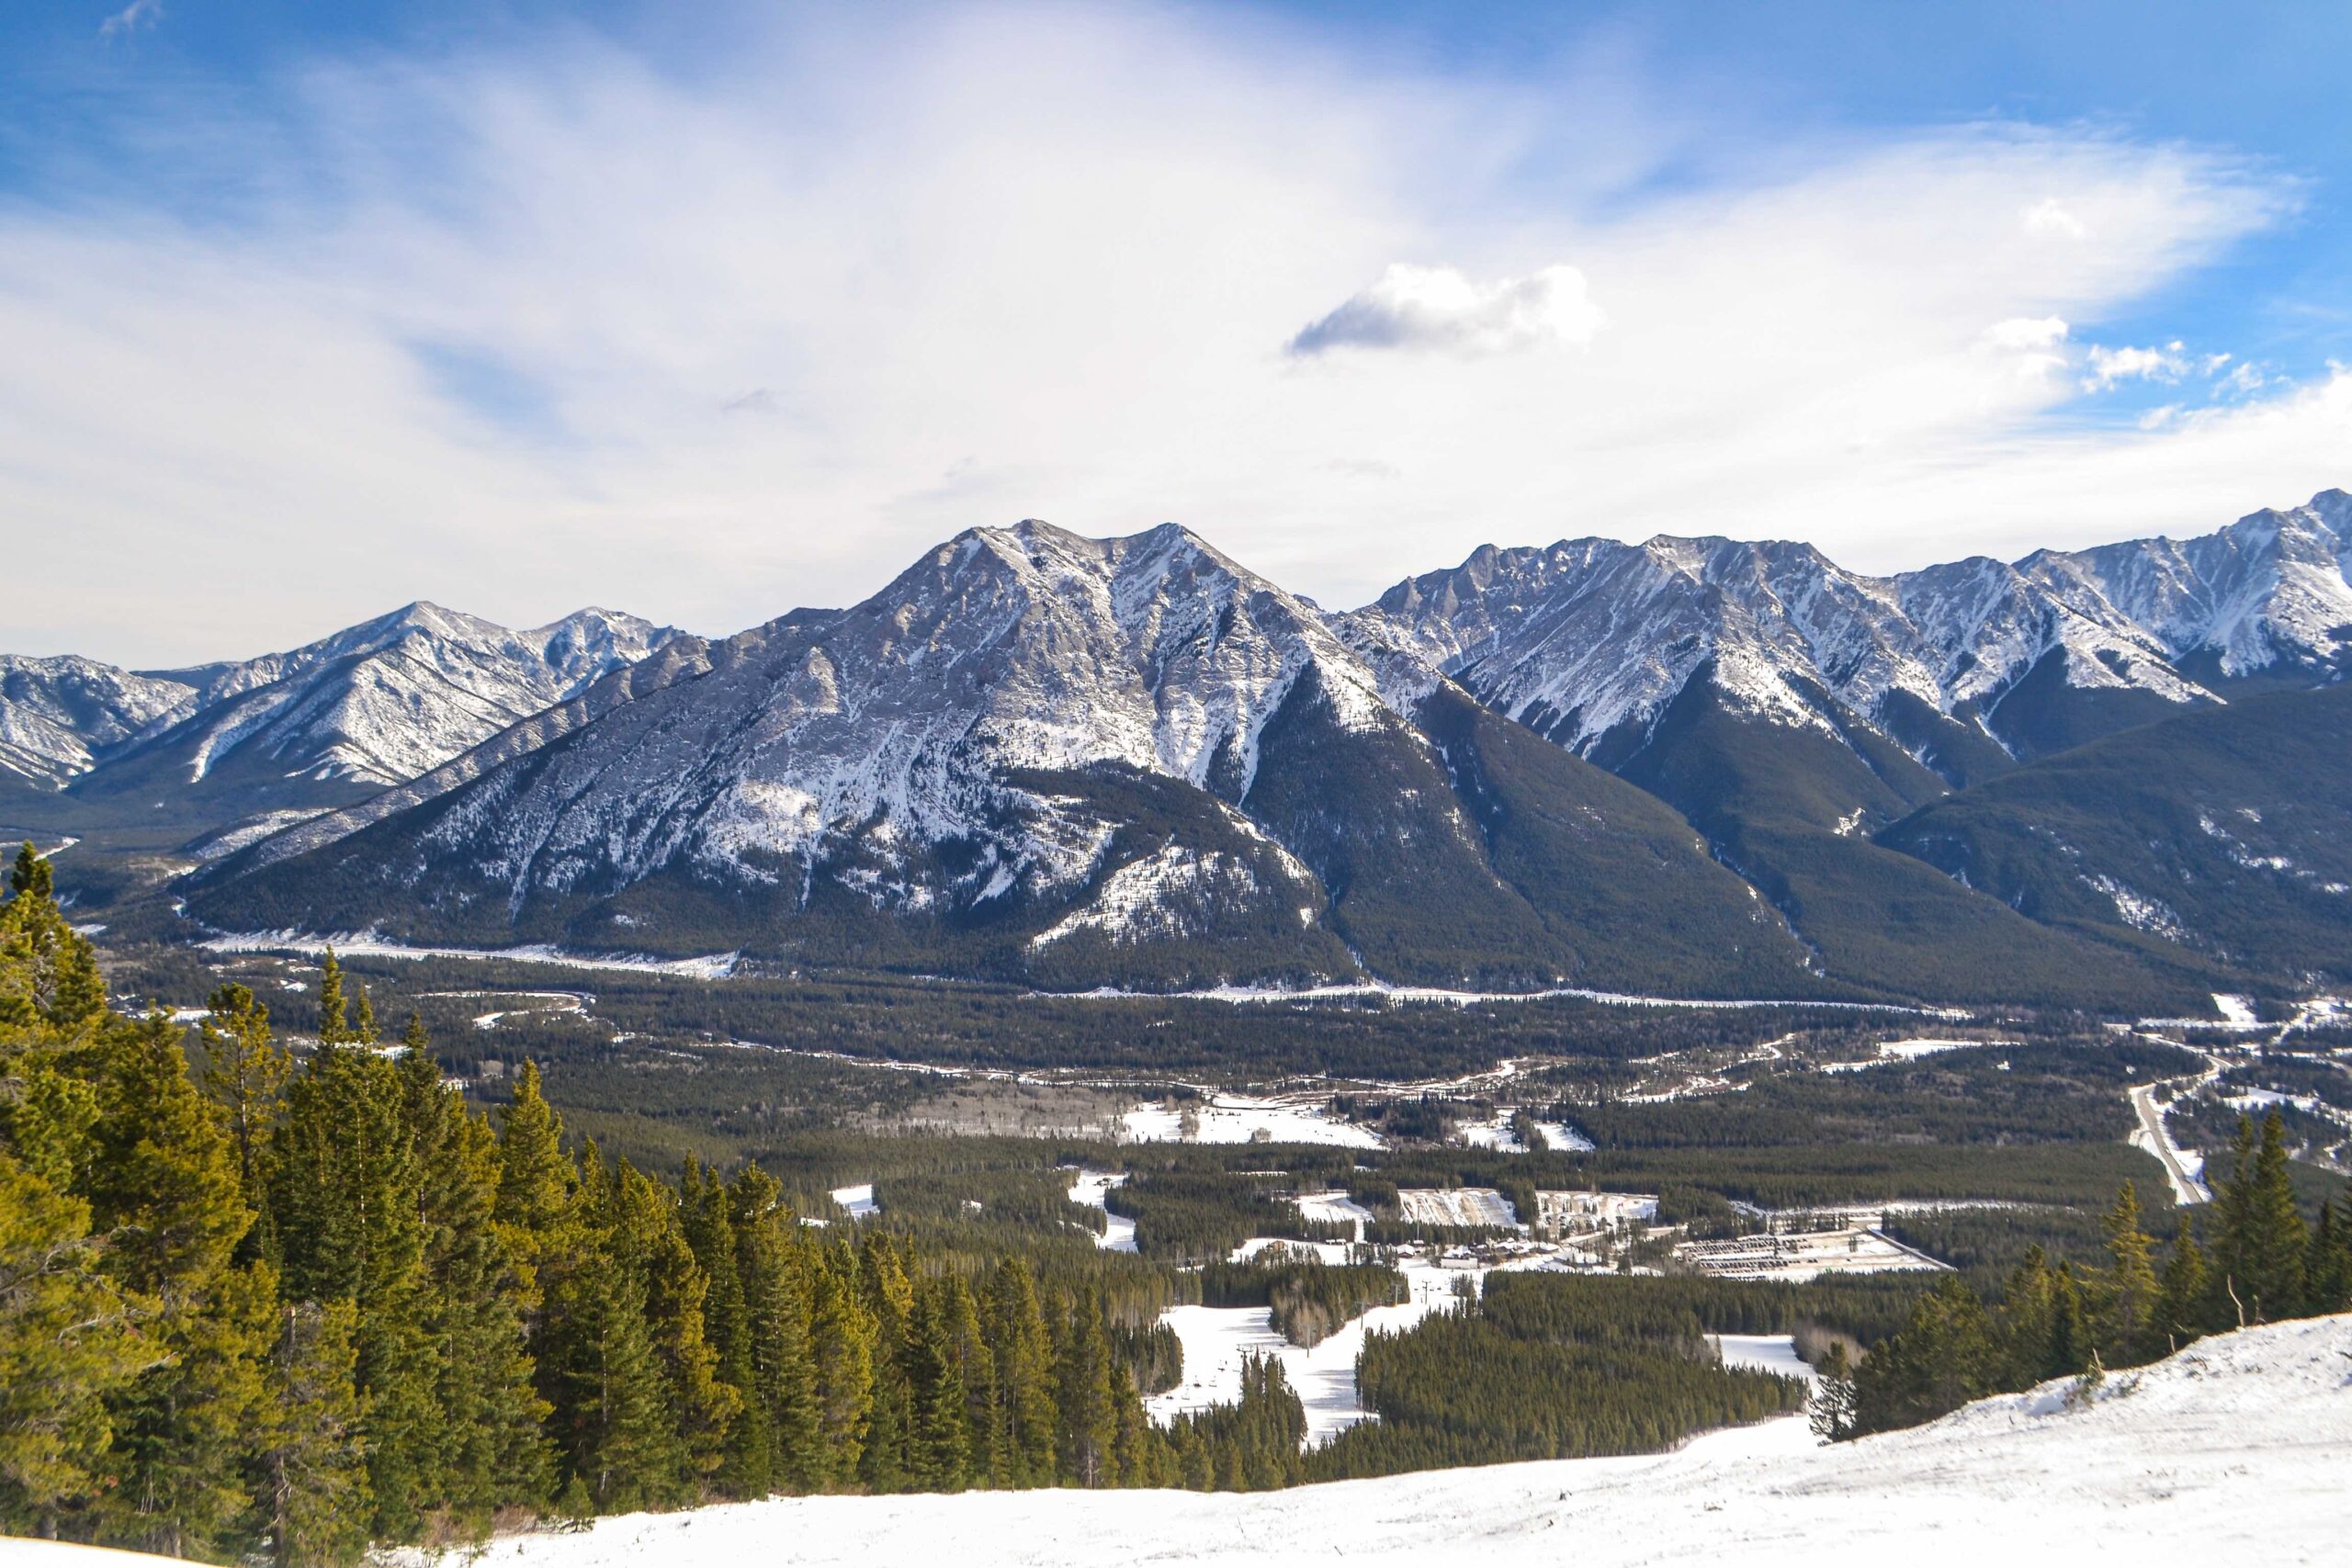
2231	1451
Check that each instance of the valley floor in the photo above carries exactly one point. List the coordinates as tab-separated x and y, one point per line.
2233	1451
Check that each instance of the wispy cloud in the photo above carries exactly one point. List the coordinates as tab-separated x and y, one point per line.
894	235
139	13
2109	365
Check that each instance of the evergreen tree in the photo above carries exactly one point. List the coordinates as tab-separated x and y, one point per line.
782	1408
2259	1253
2183	1295
2132	1278
1942	1359
939	1450
332	1022
164	1188
309	1449
2327	1264
48	972
1025	1412
843	1334
69	1338
615	1424
1831	1411
488	1418
536	1186
345	1196
1088	1416
650	1241
246	1071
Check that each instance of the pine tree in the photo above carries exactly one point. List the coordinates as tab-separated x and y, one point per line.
331	1023
1089	1416
648	1235
939	1449
69	1338
245	1072
309	1447
2260	1253
536	1185
165	1187
2183	1293
615	1424
747	1463
1831	1411
841	1337
2327	1264
345	1198
774	1265
490	1447
1943	1358
1027	1414
2132	1278
48	972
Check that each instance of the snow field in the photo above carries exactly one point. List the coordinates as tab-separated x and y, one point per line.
1335	1208
2230	1452
1775	1353
857	1202
1803	1256
1454	1206
1091	1188
1495	1133
1247	1119
1217	1339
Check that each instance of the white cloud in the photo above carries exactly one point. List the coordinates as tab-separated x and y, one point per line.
2049	218
1436	308
1013	263
2109	366
2027	333
131	18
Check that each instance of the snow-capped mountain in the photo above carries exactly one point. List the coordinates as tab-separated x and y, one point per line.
2268	593
1589	640
1069	751
59	717
376	704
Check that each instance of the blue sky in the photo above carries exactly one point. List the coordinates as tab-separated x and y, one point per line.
708	313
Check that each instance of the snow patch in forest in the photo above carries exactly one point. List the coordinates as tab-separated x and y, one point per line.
1245	1119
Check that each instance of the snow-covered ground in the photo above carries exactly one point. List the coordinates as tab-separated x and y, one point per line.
1091	1188
1807	1254
2231	1451
1217	1339
362	945
1763	1353
1454	1206
857	1202
1495	1133
1335	1208
1911	1051
1245	1119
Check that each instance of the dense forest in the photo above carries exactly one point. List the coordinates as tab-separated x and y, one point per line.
292	1307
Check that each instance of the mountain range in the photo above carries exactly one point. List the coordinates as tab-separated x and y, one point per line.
1691	766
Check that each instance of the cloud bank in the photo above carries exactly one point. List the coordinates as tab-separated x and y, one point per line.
538	325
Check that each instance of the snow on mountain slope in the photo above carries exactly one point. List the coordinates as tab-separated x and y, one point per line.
59	717
861	742
381	702
1589	638
2231	1451
2269	589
